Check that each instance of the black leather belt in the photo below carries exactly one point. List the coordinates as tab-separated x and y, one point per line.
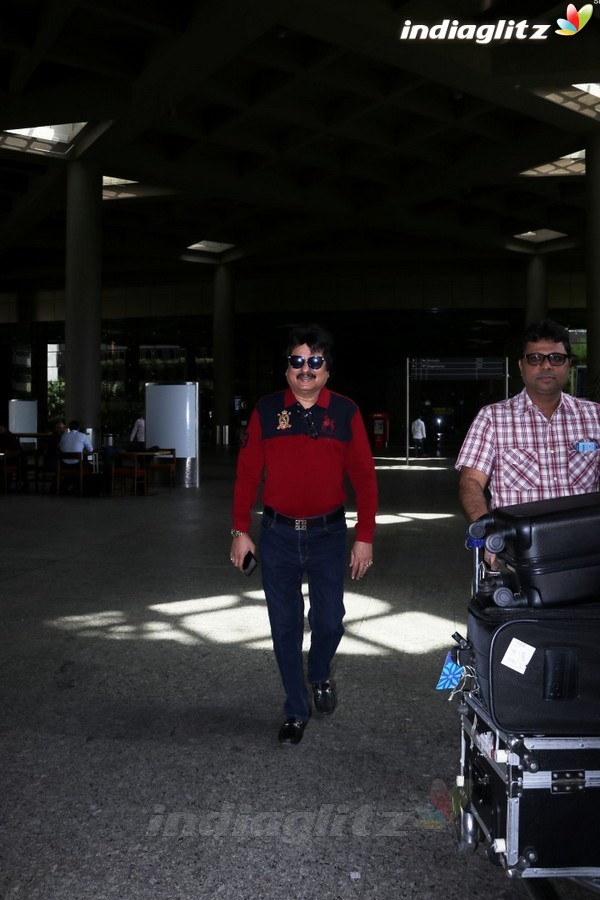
305	524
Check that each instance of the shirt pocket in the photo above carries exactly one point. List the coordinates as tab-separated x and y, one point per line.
583	471
520	470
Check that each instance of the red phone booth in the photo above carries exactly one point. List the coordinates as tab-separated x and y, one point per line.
380	430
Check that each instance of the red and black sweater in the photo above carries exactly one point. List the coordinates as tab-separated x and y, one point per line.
304	477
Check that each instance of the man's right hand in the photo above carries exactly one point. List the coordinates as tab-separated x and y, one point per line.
239	548
490	560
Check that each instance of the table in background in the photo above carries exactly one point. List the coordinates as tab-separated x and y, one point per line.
138	472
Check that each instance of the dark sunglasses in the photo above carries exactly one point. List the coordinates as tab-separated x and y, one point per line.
314	362
555	359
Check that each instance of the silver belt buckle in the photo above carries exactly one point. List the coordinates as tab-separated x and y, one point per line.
300	524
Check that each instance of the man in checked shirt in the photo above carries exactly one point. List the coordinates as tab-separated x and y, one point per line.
539	444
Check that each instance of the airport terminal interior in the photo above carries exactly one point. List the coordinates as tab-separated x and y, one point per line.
179	185
141	705
420	196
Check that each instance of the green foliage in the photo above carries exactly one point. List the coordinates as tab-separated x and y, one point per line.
56	399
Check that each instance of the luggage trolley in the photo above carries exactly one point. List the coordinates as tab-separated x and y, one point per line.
528	789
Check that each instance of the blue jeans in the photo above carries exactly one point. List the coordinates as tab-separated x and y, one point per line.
285	555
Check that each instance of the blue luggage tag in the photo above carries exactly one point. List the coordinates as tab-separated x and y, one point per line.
450	676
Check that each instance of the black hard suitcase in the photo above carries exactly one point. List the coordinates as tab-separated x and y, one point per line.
537	670
532	801
551	547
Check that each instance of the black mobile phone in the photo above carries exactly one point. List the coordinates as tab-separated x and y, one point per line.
250	563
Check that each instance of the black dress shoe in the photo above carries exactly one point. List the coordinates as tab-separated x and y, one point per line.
324	698
291	731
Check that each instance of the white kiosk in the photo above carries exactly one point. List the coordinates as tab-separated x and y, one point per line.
173	420
23	419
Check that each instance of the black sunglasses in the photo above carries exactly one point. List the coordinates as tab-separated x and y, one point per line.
314	362
555	359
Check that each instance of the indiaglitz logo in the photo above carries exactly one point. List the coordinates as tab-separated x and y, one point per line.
453	30
502	30
575	20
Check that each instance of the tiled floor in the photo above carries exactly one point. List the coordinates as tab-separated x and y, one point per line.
140	708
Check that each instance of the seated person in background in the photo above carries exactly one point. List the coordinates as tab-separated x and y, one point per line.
52	444
75	441
8	440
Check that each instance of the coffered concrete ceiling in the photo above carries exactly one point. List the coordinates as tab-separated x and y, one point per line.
300	133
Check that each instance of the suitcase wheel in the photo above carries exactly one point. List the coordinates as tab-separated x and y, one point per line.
469	834
591	884
493	856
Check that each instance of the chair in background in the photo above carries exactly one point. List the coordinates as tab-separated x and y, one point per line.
69	473
125	467
45	470
165	464
10	461
30	465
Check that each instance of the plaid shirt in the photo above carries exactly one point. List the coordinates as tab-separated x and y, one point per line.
529	457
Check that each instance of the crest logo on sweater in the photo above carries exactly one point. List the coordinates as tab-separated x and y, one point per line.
283	420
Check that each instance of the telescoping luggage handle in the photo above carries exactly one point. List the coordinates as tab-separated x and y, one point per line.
477	545
486	581
478	541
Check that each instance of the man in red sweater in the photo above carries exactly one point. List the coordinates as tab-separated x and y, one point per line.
301	443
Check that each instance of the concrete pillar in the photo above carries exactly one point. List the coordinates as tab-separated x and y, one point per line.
83	309
30	333
592	183
223	353
536	304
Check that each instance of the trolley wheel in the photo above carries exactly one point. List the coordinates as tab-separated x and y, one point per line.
494	858
469	834
540	889
592	884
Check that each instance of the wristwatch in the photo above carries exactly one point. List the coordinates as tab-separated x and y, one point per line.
235	533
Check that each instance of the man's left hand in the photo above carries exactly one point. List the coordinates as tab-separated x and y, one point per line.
361	559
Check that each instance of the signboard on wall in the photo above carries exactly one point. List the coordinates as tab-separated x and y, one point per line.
476	368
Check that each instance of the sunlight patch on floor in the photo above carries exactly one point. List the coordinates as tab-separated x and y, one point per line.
401	517
373	628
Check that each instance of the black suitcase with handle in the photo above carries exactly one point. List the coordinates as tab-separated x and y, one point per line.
549	550
529	783
537	670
